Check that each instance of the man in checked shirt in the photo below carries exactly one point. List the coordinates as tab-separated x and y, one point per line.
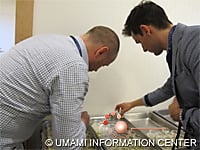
48	74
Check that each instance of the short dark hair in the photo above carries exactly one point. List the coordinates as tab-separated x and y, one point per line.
147	13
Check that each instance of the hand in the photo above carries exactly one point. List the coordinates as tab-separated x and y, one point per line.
174	110
123	107
85	117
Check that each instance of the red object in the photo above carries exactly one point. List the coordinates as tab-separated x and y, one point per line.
113	113
107	116
105	122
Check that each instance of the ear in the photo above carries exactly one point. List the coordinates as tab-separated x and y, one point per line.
146	30
101	51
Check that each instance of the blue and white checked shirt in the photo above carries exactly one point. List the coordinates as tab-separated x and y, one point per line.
42	75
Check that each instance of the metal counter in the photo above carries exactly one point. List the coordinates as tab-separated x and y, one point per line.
143	126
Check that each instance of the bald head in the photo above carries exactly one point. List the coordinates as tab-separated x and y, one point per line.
104	36
102	45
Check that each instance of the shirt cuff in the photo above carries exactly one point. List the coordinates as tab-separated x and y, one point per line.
83	125
146	101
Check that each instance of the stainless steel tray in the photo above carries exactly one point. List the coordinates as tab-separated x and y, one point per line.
164	113
96	122
142	125
149	120
91	135
154	126
146	125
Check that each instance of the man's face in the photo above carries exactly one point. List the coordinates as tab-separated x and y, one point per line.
148	43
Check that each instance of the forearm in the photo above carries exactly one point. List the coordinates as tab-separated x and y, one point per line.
138	102
159	95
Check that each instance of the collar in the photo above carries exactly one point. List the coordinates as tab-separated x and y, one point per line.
83	49
170	38
77	45
169	51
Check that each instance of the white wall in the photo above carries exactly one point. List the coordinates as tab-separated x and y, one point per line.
134	73
7	24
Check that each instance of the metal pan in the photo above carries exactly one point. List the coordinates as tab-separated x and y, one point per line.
96	122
